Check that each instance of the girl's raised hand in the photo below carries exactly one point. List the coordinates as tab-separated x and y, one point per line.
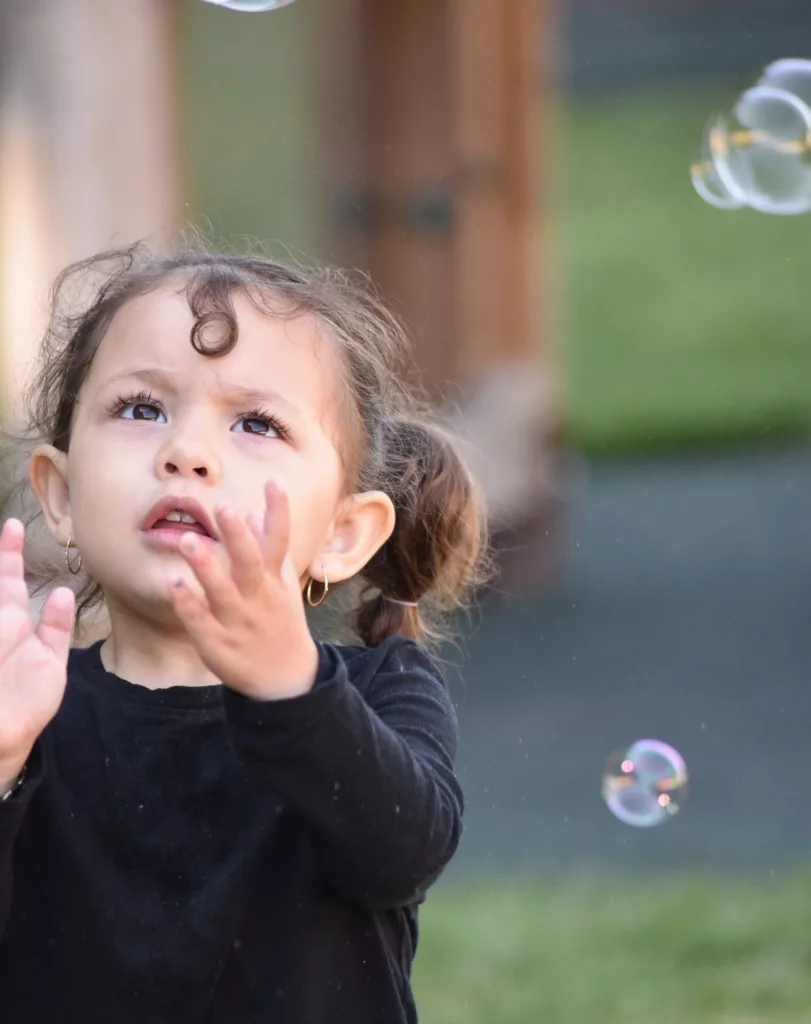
33	656
249	627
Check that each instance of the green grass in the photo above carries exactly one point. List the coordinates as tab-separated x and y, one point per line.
659	951
685	323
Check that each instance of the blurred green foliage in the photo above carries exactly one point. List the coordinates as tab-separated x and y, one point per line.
249	87
589	951
685	324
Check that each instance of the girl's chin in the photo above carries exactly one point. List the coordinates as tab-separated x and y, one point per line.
152	592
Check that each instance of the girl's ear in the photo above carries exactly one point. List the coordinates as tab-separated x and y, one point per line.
362	530
48	475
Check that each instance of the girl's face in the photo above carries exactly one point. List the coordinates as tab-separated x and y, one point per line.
156	420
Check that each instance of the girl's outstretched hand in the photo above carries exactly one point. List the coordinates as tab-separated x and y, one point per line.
250	627
33	656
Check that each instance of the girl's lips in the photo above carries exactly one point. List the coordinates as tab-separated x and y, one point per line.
170	540
179	503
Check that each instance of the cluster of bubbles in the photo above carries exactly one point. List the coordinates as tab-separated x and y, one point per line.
760	154
252	6
645	784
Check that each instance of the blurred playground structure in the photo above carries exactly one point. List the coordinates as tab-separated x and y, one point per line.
429	178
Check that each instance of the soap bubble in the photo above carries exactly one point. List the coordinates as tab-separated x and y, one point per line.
253	6
706	180
760	155
792	75
768	162
645	784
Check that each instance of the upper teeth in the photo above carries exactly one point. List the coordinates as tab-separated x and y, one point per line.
179	517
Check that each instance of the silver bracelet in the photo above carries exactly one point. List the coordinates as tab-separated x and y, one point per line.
18	783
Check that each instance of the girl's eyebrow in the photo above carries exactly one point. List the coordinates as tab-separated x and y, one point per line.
233	392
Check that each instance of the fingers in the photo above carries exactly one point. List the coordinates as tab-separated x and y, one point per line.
12	539
15	614
15	626
254	547
244	551
218	586
55	628
277	525
192	611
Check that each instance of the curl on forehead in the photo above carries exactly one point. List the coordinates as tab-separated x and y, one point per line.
223	308
370	353
211	293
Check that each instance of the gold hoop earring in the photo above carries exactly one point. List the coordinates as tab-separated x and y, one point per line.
71	570
309	592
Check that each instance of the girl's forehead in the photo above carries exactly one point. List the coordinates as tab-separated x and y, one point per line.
153	331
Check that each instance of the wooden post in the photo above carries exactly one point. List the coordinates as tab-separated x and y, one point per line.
435	110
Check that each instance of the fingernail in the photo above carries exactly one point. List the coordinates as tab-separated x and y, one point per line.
225	512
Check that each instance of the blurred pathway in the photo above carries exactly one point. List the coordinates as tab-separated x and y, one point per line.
684	616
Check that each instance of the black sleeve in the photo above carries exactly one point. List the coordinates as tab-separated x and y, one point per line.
12	813
371	776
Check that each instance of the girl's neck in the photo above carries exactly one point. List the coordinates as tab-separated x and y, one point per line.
146	655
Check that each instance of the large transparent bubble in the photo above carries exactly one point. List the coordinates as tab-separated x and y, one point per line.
760	154
791	74
252	6
705	177
764	160
645	784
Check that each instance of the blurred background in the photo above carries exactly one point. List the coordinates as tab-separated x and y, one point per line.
631	367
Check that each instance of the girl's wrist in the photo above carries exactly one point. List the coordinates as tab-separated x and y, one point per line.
294	680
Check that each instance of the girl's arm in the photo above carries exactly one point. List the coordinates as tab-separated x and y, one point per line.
367	764
12	811
33	673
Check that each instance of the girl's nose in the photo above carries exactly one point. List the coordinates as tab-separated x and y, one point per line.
174	470
187	454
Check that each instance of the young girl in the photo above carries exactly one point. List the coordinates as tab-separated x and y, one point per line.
209	816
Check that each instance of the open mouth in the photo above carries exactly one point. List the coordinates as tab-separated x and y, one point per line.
174	516
182	522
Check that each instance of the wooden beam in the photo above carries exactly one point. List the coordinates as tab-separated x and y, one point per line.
89	150
447	105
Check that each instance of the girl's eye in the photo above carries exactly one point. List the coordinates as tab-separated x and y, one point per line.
261	426
141	411
142	405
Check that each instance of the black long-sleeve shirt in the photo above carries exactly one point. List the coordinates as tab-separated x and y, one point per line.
189	856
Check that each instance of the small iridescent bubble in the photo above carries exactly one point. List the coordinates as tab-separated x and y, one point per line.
250	6
645	784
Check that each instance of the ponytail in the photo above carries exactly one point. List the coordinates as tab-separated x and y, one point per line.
436	554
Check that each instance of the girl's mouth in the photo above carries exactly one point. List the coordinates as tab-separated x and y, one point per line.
175	515
182	526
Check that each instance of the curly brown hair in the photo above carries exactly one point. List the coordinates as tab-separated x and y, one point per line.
438	553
